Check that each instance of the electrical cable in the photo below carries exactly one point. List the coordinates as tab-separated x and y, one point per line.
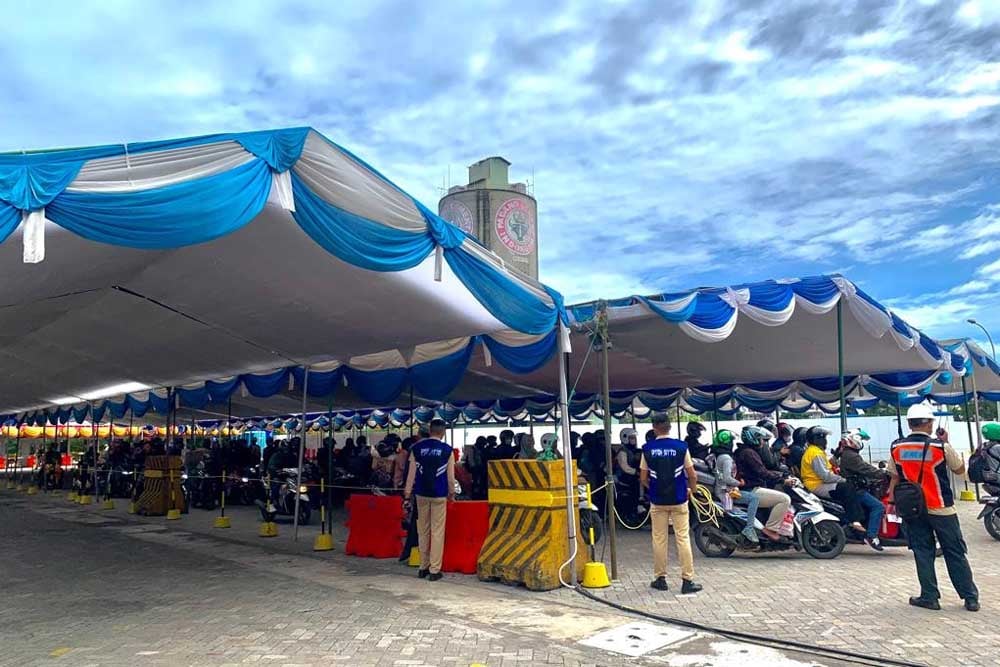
768	642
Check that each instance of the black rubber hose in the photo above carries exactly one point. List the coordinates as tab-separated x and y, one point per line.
769	642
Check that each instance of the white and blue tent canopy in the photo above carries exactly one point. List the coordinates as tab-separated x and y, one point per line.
761	346
231	259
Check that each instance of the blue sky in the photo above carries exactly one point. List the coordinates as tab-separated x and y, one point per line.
673	143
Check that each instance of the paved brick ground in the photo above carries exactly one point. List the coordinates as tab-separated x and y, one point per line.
856	602
83	587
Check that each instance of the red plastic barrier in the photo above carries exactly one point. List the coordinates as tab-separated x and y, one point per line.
3	462
31	461
66	460
375	526
466	527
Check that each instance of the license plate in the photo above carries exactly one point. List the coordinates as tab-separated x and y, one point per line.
892	518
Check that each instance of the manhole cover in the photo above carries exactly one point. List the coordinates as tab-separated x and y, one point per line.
636	639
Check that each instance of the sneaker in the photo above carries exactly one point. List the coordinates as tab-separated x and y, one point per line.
689	587
423	573
874	543
750	534
972	604
660	584
924	603
434	576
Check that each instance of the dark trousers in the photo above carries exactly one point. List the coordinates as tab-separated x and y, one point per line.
845	494
921	534
411	534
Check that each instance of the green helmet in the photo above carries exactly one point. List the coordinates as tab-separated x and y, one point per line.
991	431
724	439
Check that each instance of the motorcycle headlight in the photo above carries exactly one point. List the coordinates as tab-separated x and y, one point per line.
245	480
303	489
184	476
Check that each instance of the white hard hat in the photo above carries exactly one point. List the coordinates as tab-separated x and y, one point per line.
920	411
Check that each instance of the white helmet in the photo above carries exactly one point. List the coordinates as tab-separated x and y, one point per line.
855	438
549	441
629	436
920	411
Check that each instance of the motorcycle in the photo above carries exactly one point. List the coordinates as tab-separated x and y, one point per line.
202	489
991	512
718	531
891	533
282	500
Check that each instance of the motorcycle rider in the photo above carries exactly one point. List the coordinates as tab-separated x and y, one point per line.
627	471
759	479
818	477
506	449
770	457
991	447
796	450
726	481
693	441
550	448
864	476
782	445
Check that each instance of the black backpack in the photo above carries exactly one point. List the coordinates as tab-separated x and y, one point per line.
909	496
980	469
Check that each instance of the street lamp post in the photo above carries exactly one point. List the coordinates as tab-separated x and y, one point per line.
993	348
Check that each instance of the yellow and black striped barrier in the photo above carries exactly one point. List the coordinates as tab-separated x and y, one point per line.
528	541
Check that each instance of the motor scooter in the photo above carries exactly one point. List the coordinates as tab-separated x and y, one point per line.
281	501
991	510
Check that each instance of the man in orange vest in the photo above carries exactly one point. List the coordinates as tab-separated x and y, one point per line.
921	458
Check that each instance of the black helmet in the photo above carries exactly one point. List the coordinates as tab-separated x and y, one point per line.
799	436
784	430
650	435
695	428
817	435
768	425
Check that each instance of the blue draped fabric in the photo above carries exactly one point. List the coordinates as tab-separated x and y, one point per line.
169	217
815	289
98	413
903	379
956	399
280	149
526	358
505	299
10	218
80	414
269	384
711	312
770	296
160	404
436	379
682	315
357	240
117	410
321	383
219	391
29	187
193	398
380	387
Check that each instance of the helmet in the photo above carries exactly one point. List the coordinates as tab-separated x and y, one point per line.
816	435
991	431
695	428
754	436
768	425
650	435
629	436
855	438
920	411
784	430
724	439
549	441
799	436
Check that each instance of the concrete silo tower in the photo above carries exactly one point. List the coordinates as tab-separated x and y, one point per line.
500	214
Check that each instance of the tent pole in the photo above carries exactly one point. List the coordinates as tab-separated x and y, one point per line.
680	435
95	427
899	418
609	479
329	466
568	470
302	449
968	423
979	430
715	411
412	418
840	365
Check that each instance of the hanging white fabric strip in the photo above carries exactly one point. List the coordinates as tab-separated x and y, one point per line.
564	339
487	356
33	234
281	190
438	262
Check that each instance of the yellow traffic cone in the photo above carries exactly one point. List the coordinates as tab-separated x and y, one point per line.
133	507
268	529
223	522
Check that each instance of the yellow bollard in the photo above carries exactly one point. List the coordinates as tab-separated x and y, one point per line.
84	500
133	507
595	573
414	560
173	514
72	497
323	541
108	504
222	521
967	494
32	490
268	529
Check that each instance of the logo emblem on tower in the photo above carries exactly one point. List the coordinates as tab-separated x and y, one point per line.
459	215
516	226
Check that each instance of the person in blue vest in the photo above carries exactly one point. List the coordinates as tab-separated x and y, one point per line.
668	475
431	478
